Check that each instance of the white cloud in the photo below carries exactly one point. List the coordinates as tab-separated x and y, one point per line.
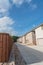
28	1
34	6
2	10
6	21
4	6
6	25
20	2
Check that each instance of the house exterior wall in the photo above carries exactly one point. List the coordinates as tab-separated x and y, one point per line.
19	40
39	36
23	39
34	37
29	39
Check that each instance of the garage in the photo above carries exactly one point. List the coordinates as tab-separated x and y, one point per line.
40	42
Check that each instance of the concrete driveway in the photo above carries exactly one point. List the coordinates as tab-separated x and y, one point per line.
32	55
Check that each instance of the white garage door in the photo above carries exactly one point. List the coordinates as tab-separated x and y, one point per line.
40	41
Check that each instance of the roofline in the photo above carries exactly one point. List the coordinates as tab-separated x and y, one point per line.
32	30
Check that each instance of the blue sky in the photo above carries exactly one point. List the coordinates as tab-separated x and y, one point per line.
19	16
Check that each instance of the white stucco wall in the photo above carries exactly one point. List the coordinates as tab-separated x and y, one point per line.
19	40
29	39
23	39
39	36
39	33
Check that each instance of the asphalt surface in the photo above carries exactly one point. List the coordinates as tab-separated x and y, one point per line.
33	55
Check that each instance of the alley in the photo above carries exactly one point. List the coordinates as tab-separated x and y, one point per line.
32	55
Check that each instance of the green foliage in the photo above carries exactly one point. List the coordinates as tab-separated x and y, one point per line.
15	38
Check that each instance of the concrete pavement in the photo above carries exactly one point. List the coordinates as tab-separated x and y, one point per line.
12	58
26	55
32	55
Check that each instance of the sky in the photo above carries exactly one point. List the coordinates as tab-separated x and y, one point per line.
17	17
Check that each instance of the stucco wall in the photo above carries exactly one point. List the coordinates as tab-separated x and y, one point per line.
34	37
39	36
19	40
23	39
39	32
29	39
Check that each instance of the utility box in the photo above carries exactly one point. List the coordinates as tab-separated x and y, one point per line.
6	43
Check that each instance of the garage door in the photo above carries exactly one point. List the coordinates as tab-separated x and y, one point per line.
40	42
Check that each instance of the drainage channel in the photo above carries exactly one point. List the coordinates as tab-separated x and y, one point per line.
18	57
12	57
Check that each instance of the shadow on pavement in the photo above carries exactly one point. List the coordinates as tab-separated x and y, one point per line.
23	55
30	55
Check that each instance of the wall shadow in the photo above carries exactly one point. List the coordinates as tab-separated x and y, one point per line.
12	56
23	55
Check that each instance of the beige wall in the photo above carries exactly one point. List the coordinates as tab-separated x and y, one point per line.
34	37
39	36
39	32
19	40
23	39
29	39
